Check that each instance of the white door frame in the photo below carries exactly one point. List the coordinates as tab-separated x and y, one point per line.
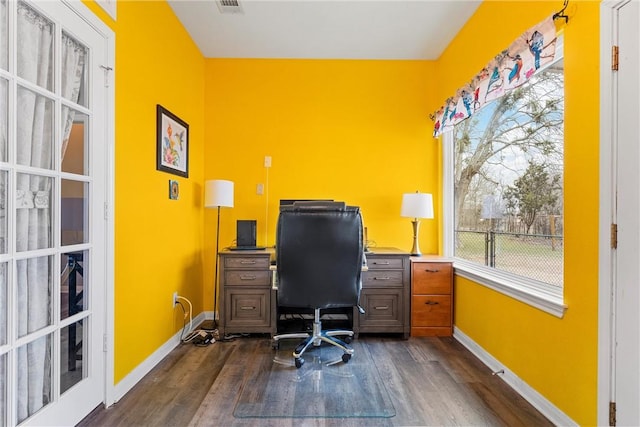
109	138
608	185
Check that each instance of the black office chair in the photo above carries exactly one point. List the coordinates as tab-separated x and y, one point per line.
319	260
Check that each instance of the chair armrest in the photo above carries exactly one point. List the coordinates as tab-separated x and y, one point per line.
274	277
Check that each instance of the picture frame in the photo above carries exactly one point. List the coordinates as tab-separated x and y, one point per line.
172	149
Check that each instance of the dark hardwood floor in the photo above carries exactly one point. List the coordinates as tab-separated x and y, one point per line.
430	381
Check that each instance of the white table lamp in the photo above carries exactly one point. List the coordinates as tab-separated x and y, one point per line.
416	205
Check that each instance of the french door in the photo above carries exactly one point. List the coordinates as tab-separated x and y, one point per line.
53	181
619	275
626	351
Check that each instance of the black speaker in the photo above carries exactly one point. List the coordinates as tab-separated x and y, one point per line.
246	232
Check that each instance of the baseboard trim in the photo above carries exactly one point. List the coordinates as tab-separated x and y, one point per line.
555	415
128	382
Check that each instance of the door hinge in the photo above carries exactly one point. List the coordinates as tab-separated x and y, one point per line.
614	57
105	343
614	236
612	413
106	211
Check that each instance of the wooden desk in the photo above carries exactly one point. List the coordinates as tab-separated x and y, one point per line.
248	304
386	293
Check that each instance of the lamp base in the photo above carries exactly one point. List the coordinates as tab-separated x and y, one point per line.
415	249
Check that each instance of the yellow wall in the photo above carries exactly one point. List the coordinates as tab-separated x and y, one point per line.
557	357
158	242
349	130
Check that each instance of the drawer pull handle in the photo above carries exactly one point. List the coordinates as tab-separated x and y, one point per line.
382	278
247	277
380	263
432	302
247	262
247	307
382	307
431	271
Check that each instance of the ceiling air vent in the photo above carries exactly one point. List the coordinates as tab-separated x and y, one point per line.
229	6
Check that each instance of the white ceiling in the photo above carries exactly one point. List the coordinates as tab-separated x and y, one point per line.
325	29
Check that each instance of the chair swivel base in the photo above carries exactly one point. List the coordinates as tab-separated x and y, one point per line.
317	338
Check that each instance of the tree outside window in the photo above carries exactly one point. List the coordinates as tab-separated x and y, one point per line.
508	181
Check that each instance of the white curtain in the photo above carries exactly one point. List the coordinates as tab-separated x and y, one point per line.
35	144
74	56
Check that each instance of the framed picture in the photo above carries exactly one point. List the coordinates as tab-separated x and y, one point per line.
173	143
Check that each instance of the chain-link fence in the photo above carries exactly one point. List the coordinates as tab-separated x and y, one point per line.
537	256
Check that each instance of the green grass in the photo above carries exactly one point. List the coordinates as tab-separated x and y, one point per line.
529	256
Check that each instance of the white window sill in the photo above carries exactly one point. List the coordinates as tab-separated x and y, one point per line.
545	297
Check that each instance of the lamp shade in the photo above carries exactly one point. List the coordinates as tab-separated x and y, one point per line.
218	193
417	205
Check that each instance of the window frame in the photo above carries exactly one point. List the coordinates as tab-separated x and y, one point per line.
538	294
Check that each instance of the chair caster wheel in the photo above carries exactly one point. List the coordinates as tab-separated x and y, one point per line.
275	345
300	362
348	339
346	357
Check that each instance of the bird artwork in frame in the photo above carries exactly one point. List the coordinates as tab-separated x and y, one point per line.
172	143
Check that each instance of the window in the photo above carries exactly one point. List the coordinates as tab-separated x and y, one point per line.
505	192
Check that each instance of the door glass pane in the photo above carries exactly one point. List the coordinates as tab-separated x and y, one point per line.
3	304
35	38
34	376
3	212
74	133
72	351
4	99
35	129
34	294
33	212
4	46
74	212
72	283
74	82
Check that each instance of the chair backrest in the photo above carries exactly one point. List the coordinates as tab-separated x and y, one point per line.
319	253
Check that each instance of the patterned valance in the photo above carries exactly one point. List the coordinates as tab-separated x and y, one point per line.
509	69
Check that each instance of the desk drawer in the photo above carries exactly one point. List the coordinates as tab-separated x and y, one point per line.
383	310
431	310
247	307
388	263
431	278
382	278
247	277
247	262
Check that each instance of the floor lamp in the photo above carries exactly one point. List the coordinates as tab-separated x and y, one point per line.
217	193
416	205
